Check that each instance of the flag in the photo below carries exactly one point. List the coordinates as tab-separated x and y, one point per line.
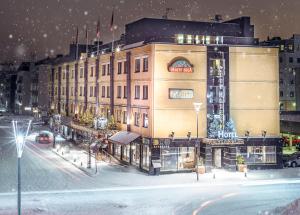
112	21
98	29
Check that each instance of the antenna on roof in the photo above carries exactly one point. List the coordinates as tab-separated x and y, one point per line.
217	18
168	9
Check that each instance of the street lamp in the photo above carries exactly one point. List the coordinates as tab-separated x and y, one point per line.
20	139
197	106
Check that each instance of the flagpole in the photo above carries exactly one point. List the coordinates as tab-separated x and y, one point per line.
87	40
76	43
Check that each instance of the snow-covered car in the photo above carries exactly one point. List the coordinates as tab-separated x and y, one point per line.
293	160
43	137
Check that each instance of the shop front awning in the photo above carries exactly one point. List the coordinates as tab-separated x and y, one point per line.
123	137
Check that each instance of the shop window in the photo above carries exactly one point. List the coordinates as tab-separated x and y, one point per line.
258	154
95	91
197	39
118	151
119	92
145	64
136	152
189	39
145	120
145	92
136	119
281	93
103	70
126	153
119	67
146	157
103	92
137	92
137	65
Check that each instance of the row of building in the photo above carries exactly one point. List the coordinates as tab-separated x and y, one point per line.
180	92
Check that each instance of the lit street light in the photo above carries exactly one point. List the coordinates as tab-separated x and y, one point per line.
20	139
197	106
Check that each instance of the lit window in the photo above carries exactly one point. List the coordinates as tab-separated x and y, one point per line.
145	120
207	40
189	39
281	47
197	39
180	38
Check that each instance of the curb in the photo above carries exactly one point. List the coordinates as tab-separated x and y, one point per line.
80	168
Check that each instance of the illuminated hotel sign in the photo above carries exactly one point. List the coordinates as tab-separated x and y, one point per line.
227	135
180	65
181	93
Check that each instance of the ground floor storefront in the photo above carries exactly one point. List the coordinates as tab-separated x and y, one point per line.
181	155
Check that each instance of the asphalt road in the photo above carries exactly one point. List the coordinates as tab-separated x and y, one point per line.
50	185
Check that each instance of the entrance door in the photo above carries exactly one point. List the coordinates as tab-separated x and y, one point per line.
218	158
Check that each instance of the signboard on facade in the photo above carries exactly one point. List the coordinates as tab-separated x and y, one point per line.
181	93
180	65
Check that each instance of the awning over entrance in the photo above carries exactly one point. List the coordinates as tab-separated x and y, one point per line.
123	137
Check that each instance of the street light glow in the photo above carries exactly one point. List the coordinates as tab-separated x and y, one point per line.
197	106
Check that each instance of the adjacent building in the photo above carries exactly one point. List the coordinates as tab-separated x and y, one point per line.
153	78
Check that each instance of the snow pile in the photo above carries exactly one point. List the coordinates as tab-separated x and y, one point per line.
291	209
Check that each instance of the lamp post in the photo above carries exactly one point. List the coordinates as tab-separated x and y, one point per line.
20	139
197	106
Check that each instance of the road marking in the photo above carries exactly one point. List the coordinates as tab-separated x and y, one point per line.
209	202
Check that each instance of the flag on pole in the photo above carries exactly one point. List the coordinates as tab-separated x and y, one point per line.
112	21
87	39
98	35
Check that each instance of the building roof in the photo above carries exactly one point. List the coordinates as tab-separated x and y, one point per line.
24	66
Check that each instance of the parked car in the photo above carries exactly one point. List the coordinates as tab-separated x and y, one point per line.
292	160
43	138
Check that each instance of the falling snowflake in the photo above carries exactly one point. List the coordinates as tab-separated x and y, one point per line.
45	35
86	13
10	36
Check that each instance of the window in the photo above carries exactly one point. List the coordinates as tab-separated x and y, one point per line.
145	120
281	93
107	92
72	74
298	60
63	91
291	59
137	65
281	47
292	94
260	154
80	92
124	117
189	39
119	92
125	67
103	92
72	91
103	70
119	115
280	60
92	71
280	81
291	47
125	92
292	82
55	91
145	64
81	73
137	92
64	75
180	38
108	69
145	92
91	91
95	91
119	67
136	119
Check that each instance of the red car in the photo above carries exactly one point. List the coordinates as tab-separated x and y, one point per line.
43	138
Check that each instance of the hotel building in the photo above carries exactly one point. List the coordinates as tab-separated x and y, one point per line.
150	83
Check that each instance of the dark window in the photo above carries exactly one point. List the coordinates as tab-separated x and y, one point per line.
80	92
91	91
108	69
124	117
136	119
145	64
72	74
119	67
125	92
103	70
145	92
95	91
137	92
107	91
280	60
119	92
281	93
298	60
291	59
81	73
281	81
292	82
103	92
145	120
92	71
137	65
292	94
125	67
64	75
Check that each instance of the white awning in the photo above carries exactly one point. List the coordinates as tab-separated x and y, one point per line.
123	137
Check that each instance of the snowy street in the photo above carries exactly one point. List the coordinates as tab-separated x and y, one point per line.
51	185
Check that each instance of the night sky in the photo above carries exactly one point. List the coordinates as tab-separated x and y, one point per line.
46	27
